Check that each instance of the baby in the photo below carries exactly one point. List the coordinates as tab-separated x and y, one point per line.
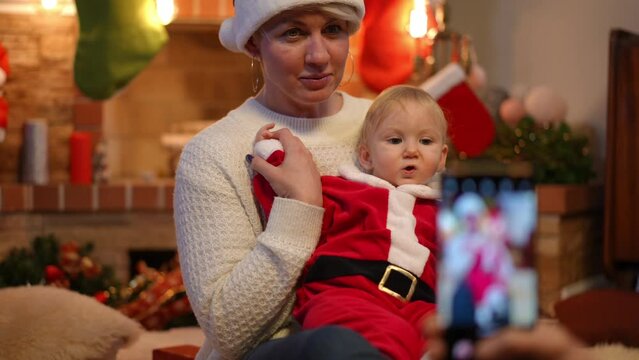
374	267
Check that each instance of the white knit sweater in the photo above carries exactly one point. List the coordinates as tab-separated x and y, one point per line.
239	277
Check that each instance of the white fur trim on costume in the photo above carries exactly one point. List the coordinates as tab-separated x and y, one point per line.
251	14
405	249
444	80
353	173
421	191
265	148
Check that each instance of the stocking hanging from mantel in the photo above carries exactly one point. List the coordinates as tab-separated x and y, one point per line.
118	38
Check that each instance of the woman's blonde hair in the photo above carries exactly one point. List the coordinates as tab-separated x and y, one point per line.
388	101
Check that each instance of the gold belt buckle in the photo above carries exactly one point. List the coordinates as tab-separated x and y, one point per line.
382	284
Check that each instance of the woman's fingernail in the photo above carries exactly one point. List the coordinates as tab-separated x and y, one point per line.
249	158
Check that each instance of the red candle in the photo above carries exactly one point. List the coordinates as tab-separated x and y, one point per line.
80	157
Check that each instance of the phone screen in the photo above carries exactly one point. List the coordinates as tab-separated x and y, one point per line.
485	226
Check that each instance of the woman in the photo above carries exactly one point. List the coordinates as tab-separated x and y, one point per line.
240	275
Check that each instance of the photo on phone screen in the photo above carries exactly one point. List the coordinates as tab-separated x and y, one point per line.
487	278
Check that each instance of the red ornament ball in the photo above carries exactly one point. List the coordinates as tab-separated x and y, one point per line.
53	273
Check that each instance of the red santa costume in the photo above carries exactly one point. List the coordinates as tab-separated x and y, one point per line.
374	268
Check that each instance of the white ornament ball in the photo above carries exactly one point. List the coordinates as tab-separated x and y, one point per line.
511	111
477	77
545	105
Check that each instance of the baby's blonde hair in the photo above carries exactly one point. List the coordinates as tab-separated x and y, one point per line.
387	102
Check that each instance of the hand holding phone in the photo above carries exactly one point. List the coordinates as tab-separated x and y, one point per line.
486	273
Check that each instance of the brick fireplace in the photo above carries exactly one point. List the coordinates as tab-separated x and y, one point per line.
193	80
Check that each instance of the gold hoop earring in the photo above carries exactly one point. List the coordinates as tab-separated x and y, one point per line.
255	76
350	56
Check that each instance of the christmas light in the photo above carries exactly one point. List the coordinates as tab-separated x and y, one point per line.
49	5
166	11
418	23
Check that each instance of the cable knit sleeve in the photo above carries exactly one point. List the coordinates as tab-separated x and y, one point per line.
239	280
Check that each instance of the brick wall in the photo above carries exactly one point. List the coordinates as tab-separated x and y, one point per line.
41	49
192	80
569	239
116	218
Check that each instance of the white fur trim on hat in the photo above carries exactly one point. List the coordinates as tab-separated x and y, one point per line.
444	80
251	14
265	148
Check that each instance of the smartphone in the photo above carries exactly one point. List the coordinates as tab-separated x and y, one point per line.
486	274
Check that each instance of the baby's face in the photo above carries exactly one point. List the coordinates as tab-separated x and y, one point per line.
407	148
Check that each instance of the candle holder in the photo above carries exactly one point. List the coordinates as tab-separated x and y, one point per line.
436	44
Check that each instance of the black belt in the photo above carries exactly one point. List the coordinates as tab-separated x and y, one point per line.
389	278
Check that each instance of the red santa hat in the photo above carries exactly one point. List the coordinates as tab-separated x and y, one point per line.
272	151
4	106
470	125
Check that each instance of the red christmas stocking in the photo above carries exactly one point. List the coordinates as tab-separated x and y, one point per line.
388	51
470	126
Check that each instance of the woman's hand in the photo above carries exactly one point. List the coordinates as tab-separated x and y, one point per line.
544	342
297	177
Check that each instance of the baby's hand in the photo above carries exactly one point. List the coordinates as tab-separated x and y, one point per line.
264	132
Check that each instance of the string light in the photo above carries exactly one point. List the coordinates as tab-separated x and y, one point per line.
49	5
418	25
167	11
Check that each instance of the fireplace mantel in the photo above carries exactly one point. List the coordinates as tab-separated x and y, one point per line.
92	198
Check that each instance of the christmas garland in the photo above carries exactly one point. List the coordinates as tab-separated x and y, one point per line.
558	154
156	299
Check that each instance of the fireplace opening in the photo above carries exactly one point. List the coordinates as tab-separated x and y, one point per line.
160	260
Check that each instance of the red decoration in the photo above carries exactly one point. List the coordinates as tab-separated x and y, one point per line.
4	113
470	126
102	296
56	277
70	258
4	61
164	300
81	157
388	51
4	106
53	273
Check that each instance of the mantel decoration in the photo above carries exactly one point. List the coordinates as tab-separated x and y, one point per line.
155	298
117	41
4	106
530	126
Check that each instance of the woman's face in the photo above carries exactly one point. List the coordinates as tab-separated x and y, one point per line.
303	56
